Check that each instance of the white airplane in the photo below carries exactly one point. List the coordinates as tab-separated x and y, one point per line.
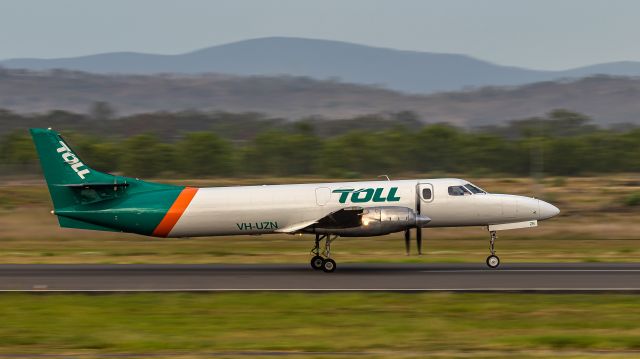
87	199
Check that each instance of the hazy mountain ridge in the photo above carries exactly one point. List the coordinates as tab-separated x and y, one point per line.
607	99
408	71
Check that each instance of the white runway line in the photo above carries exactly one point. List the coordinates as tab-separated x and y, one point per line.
525	270
328	290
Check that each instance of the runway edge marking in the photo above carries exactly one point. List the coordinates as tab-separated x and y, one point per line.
324	290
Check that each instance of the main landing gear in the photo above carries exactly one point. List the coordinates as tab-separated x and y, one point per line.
493	261
323	260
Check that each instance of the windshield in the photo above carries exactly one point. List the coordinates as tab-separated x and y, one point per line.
474	189
458	191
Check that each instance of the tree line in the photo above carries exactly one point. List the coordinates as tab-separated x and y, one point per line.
561	143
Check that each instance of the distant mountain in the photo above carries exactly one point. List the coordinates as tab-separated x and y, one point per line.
407	71
623	68
607	99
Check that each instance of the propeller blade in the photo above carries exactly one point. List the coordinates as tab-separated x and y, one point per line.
407	240
419	240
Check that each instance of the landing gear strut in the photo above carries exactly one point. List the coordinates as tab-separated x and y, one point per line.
493	261
317	260
323	260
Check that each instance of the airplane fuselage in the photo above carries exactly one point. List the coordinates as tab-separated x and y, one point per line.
272	208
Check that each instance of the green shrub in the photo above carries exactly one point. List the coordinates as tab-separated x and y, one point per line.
559	182
632	199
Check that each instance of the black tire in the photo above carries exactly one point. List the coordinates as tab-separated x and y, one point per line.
317	262
329	265
493	261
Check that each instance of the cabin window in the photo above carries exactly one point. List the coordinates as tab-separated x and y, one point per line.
426	194
474	189
458	191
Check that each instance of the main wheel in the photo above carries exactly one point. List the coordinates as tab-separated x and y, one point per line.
329	265
493	261
316	262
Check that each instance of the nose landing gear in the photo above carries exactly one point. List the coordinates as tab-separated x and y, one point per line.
493	261
323	260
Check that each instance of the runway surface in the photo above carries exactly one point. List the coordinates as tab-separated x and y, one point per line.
391	277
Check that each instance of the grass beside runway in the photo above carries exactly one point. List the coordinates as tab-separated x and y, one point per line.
383	324
29	236
448	246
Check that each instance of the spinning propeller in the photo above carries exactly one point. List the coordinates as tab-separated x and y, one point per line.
407	232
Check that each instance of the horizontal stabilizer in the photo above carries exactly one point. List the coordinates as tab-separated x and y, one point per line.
86	193
93	185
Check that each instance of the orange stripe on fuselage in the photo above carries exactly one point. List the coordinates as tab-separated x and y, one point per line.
175	212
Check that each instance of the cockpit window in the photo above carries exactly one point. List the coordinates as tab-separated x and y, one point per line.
458	191
474	189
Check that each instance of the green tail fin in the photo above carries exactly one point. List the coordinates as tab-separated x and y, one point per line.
63	170
88	199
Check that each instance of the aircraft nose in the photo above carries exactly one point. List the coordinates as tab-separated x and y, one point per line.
546	210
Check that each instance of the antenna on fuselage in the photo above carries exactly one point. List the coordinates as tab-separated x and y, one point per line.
385	176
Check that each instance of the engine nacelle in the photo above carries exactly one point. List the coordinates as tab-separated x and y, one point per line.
376	221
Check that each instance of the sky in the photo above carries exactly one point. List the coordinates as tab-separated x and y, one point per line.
539	34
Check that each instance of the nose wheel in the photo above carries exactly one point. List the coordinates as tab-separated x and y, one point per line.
493	261
322	261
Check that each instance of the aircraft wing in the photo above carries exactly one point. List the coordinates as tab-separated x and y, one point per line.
296	227
343	218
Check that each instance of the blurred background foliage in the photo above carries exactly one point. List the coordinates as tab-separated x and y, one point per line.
562	143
